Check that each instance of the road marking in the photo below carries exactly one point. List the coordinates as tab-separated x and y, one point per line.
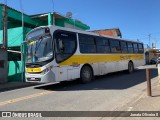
130	108
25	98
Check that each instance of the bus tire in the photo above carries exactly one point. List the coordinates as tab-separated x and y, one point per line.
86	74
130	67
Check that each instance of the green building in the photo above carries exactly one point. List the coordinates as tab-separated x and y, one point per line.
17	34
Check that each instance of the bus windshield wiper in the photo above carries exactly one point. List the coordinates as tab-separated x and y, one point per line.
37	46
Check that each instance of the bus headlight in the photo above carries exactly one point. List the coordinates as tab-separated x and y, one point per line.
45	71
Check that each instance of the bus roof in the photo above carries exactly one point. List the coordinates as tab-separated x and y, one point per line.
81	31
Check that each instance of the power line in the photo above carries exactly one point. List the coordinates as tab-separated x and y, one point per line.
22	10
142	35
52	5
149	37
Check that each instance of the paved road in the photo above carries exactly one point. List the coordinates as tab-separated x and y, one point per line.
105	93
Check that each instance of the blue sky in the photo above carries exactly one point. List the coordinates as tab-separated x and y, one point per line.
135	18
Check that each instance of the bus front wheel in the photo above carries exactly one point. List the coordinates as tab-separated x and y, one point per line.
130	67
86	74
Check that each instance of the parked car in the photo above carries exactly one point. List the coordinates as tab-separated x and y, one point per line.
153	61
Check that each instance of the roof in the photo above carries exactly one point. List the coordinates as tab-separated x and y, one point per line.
12	9
42	16
56	15
117	30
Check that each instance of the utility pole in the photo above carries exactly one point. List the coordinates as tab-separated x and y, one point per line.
155	42
5	41
5	24
22	46
149	35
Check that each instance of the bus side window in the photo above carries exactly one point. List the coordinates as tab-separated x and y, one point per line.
130	47
140	48
87	43
102	45
115	46
135	46
124	47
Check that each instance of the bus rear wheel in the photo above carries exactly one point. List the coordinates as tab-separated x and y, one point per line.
86	74
130	67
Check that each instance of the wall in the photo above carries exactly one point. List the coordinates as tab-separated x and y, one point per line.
14	71
15	36
72	26
107	32
70	23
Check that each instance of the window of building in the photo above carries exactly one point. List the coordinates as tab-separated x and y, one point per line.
12	56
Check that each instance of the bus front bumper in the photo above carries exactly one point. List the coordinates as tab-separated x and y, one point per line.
42	78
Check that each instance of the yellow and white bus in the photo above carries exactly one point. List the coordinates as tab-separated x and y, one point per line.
57	54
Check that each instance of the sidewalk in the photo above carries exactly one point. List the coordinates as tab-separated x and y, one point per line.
144	103
14	85
147	103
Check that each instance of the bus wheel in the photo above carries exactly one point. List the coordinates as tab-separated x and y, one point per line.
86	74
130	67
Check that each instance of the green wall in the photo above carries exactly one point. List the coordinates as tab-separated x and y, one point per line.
14	71
61	22
15	36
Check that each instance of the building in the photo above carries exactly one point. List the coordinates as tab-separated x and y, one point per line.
114	32
17	34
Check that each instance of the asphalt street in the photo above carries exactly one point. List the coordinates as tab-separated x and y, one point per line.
105	93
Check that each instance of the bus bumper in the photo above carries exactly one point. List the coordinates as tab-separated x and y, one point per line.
41	78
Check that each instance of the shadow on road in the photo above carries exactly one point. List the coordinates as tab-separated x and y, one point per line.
15	85
118	80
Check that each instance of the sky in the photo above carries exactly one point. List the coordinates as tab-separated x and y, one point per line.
136	19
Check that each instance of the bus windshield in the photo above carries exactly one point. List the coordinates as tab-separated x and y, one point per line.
39	49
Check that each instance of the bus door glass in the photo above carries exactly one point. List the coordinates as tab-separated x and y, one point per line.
66	44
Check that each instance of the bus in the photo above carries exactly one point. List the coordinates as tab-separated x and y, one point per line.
56	54
151	55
